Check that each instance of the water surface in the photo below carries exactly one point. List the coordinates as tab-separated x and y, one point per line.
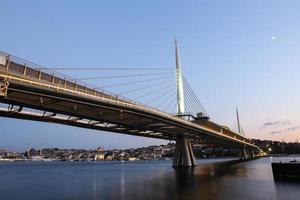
211	179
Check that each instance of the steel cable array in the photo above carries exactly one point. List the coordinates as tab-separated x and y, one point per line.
154	87
191	101
158	90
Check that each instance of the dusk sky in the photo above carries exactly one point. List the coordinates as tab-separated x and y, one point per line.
233	53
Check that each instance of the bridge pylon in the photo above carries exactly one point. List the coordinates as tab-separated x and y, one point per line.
244	155
184	156
252	154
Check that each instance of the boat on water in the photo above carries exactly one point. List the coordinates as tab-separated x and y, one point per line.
6	160
286	170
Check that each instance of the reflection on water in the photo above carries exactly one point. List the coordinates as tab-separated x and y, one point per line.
201	181
210	179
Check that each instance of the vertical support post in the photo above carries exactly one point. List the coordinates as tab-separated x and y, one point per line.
25	69
244	154
40	75
184	156
7	62
252	154
52	81
4	60
58	85
65	83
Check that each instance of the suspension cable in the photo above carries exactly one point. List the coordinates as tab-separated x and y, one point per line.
171	103
133	82
119	76
105	69
173	110
195	96
145	87
189	100
166	100
157	97
189	104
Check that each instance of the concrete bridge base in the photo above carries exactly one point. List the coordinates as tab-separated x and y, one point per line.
252	154
244	155
184	156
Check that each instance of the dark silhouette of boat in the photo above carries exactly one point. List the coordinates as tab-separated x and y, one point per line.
286	171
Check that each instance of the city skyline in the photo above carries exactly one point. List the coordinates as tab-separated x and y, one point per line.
243	56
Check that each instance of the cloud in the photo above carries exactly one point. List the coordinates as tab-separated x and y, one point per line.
271	123
292	128
275	132
277	123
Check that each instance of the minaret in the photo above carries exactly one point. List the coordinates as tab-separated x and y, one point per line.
28	150
179	82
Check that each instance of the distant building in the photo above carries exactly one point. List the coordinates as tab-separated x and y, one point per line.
100	150
109	157
99	156
132	158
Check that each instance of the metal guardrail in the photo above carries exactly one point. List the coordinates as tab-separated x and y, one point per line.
37	72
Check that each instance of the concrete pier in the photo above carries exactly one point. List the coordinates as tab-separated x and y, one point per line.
184	156
244	155
252	154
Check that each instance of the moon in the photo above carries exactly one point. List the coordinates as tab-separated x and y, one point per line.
273	37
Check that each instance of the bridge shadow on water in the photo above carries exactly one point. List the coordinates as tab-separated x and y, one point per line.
204	181
213	180
200	182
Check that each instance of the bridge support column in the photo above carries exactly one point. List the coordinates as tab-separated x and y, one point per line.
244	154
184	156
252	154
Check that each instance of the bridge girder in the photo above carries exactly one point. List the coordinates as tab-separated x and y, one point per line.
50	95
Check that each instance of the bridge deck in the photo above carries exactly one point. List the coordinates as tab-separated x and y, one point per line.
77	104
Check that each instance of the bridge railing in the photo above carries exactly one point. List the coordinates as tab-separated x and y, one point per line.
32	71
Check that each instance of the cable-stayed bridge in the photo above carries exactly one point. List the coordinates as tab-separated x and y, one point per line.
170	108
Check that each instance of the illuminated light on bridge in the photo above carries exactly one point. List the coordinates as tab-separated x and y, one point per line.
31	92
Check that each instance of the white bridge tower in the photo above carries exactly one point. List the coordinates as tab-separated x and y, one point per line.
184	156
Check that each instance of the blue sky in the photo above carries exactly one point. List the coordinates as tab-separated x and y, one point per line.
234	53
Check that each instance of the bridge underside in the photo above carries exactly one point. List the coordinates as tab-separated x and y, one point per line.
58	107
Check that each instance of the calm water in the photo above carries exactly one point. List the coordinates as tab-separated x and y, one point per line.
211	179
